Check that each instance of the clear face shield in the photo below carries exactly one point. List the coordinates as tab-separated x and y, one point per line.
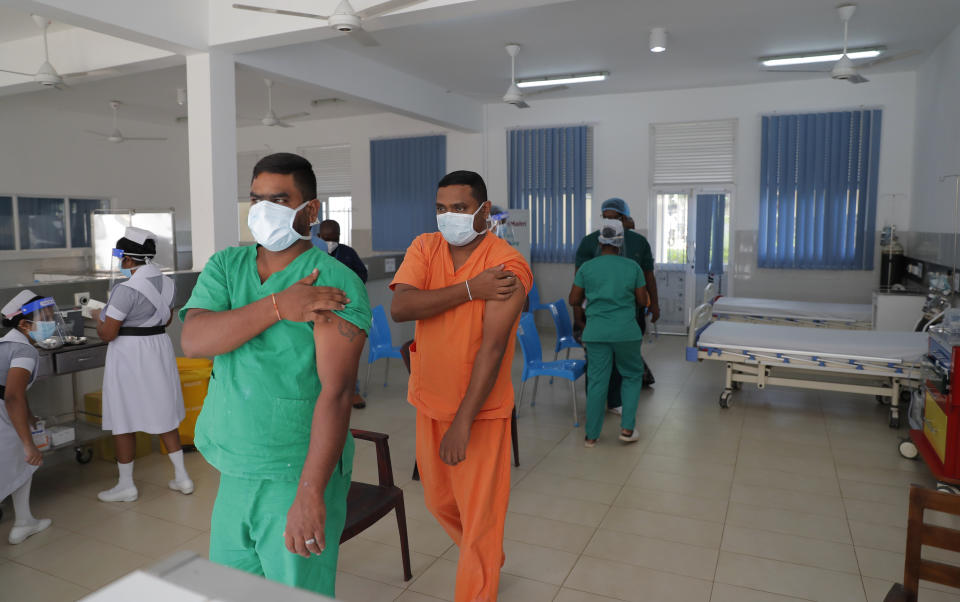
119	273
46	327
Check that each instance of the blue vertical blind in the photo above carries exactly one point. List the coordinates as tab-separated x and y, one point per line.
818	190
711	227
548	174
404	173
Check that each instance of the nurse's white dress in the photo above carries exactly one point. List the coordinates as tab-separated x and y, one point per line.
15	352
141	384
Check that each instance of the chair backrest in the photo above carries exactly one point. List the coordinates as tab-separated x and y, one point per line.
534	297
380	329
529	339
561	319
920	534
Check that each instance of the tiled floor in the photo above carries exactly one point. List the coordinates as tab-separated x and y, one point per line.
786	496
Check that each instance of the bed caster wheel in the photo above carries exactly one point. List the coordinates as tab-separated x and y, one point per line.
906	396
894	422
84	455
909	450
737	386
882	400
725	399
947	488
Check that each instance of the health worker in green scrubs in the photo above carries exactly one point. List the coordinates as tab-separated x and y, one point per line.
285	323
613	287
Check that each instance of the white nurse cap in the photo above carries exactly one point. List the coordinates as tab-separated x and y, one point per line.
12	309
138	235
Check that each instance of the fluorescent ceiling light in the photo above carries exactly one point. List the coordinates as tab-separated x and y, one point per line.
658	39
557	80
821	57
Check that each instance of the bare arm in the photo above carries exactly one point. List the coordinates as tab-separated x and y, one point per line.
338	346
209	333
643	298
576	303
410	303
108	329
15	399
654	297
498	320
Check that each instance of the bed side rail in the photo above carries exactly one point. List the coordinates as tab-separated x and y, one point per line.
701	318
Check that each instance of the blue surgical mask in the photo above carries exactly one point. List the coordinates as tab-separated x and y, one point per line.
272	225
457	228
43	330
127	272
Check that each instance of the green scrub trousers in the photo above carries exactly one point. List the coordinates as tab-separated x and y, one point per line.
603	356
249	518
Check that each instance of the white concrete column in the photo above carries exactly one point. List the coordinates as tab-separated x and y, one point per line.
212	123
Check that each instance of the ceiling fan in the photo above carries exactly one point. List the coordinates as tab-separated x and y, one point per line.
46	75
116	136
845	69
344	19
515	96
270	119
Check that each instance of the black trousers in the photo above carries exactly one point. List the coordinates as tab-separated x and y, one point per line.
613	391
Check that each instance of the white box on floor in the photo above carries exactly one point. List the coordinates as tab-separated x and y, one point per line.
60	435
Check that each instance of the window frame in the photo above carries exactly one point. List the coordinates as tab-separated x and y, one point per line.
19	253
693	190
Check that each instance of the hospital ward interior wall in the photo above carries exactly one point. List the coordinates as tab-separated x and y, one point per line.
937	154
44	152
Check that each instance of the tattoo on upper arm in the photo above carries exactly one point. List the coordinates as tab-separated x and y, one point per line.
348	330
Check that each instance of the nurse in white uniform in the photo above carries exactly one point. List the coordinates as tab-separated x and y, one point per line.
19	457
141	384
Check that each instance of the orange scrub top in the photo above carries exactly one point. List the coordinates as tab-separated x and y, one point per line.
444	346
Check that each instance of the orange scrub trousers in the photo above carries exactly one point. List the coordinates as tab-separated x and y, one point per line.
470	499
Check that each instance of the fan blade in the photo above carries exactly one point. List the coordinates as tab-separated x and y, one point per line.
102	135
17	72
293	116
546	90
794	71
522	105
277	11
364	37
94	73
280	124
142	138
385	7
857	79
890	59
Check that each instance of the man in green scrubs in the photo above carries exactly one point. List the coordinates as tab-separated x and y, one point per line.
285	323
613	287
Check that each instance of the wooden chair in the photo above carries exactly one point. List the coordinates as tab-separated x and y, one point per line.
368	503
921	534
405	353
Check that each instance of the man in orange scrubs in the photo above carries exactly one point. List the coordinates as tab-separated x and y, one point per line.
465	288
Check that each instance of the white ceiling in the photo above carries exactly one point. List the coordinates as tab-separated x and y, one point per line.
16	25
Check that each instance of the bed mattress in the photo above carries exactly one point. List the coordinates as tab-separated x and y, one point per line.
907	347
803	310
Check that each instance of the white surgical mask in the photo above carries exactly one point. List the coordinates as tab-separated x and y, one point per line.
331	245
272	225
457	228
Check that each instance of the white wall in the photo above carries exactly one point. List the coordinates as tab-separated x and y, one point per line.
938	138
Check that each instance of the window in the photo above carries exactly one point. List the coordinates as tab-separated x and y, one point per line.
404	173
671	239
694	152
818	190
550	173
81	233
42	223
331	165
31	223
340	209
8	240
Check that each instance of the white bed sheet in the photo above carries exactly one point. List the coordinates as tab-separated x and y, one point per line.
775	308
903	346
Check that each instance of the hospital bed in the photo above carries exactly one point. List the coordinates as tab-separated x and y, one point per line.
789	313
884	364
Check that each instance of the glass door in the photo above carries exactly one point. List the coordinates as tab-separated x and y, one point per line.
673	256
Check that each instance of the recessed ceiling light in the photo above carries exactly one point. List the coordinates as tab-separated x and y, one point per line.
557	80
658	39
821	57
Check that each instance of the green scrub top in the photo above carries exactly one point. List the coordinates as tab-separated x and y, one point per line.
610	283
636	248
257	415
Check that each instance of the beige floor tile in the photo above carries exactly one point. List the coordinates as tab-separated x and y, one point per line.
379	562
879	537
74	512
537	562
887	459
192	510
700	469
519	589
557	508
873	512
679	558
789	450
880	564
895	495
691	450
199	545
788	522
789	579
790	548
632	583
572	595
881	476
877	590
409	596
438	581
577	489
768	477
34	542
84	561
588	469
664	526
425	537
351	588
731	593
810	503
672	503
704	487
790	437
20	582
548	533
141	533
805	466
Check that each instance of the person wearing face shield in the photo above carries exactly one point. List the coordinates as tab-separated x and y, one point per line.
614	288
19	359
465	289
285	323
141	383
635	247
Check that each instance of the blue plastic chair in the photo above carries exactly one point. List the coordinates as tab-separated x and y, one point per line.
534	297
564	325
381	345
534	366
